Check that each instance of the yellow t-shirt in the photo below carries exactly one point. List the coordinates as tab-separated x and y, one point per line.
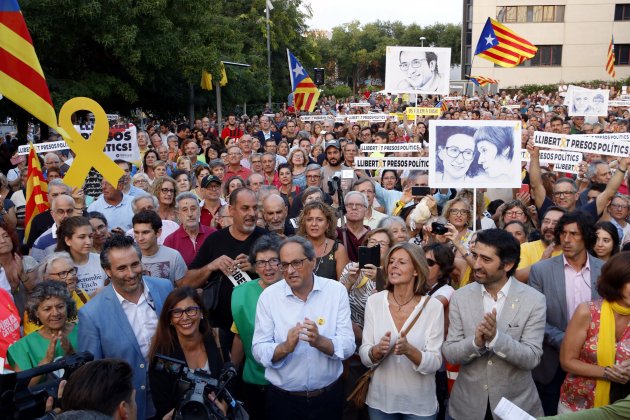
531	253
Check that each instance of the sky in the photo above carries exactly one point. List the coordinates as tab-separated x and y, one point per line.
330	13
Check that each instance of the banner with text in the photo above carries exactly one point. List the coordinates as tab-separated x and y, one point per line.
391	163
614	145
391	147
552	156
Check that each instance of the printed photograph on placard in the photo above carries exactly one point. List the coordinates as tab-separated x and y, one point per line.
587	102
475	154
417	70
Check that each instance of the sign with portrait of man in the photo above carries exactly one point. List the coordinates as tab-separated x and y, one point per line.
586	102
475	154
417	70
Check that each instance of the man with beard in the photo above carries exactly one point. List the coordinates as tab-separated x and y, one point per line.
566	281
542	249
334	167
495	334
275	215
231	129
224	256
120	321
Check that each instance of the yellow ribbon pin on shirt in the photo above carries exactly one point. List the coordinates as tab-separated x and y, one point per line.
88	152
321	321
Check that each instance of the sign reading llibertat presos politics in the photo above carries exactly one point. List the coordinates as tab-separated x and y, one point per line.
475	154
417	70
584	102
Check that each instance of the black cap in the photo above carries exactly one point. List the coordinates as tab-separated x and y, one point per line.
208	179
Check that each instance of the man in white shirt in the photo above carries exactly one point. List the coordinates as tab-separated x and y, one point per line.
496	330
366	187
158	260
62	208
304	368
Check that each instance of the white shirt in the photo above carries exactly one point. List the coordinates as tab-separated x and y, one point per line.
307	368
142	317
4	281
399	386
489	304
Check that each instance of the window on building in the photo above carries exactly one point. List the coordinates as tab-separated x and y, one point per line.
622	54
547	56
622	11
529	14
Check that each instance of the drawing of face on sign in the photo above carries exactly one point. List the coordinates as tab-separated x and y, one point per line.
495	148
455	147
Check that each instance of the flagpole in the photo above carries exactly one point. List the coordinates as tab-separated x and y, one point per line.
268	55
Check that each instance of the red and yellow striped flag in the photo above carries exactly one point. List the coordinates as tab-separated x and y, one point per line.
610	59
36	191
21	77
502	46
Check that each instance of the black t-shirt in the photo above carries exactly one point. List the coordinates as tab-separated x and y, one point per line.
40	224
216	245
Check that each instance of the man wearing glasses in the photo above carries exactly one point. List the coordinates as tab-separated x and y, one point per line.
62	208
302	347
234	167
421	71
114	205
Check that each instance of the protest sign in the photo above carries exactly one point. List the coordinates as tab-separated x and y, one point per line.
417	70
391	163
362	117
313	118
587	102
553	156
613	145
569	168
359	104
620	103
413	111
122	142
44	147
475	154
391	147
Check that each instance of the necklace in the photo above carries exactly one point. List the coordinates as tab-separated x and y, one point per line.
400	306
320	259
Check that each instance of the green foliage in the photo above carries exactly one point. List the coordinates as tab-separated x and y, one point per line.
339	92
553	87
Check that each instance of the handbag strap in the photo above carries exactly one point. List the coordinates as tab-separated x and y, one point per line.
404	332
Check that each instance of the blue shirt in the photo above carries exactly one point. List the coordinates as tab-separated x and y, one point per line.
135	191
119	215
279	310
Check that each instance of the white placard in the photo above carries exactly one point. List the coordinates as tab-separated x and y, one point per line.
362	117
313	118
569	168
554	156
122	142
391	163
417	70
475	154
587	102
359	104
40	148
621	104
391	147
583	143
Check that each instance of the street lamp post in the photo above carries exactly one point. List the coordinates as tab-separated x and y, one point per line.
422	41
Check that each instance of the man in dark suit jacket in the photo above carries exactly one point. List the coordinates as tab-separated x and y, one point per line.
265	132
121	320
566	281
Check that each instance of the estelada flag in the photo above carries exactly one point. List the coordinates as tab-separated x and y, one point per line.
21	76
482	80
36	191
305	93
503	46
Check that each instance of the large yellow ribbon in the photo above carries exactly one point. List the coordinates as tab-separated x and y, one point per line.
88	152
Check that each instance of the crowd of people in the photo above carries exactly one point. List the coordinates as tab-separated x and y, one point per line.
240	247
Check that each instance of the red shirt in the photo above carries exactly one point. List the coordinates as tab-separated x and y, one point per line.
9	324
243	173
235	133
180	241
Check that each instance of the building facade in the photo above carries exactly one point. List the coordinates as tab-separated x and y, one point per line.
572	37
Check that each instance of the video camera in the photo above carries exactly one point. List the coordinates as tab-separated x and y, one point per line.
18	401
195	385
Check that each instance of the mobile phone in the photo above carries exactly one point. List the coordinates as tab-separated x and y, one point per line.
369	255
420	191
524	189
438	228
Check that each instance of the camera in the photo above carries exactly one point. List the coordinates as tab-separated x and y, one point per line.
438	228
195	385
19	401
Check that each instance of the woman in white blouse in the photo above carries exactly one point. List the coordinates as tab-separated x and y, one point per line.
403	387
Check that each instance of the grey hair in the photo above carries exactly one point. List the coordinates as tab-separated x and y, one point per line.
59	198
353	193
270	242
313	167
42	270
59	183
592	168
140	175
173	136
46	290
388	221
134	202
216	163
307	246
51	154
183	196
253	155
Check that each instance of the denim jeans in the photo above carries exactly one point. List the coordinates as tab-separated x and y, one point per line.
376	414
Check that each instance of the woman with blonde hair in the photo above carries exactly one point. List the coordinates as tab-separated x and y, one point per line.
298	159
458	212
165	189
409	321
318	224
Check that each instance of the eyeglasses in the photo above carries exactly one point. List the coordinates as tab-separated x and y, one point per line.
272	262
563	193
297	264
313	176
431	262
190	311
458	212
374	242
355	206
167	191
619	206
61	212
455	152
514	213
234	154
63	275
414	63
